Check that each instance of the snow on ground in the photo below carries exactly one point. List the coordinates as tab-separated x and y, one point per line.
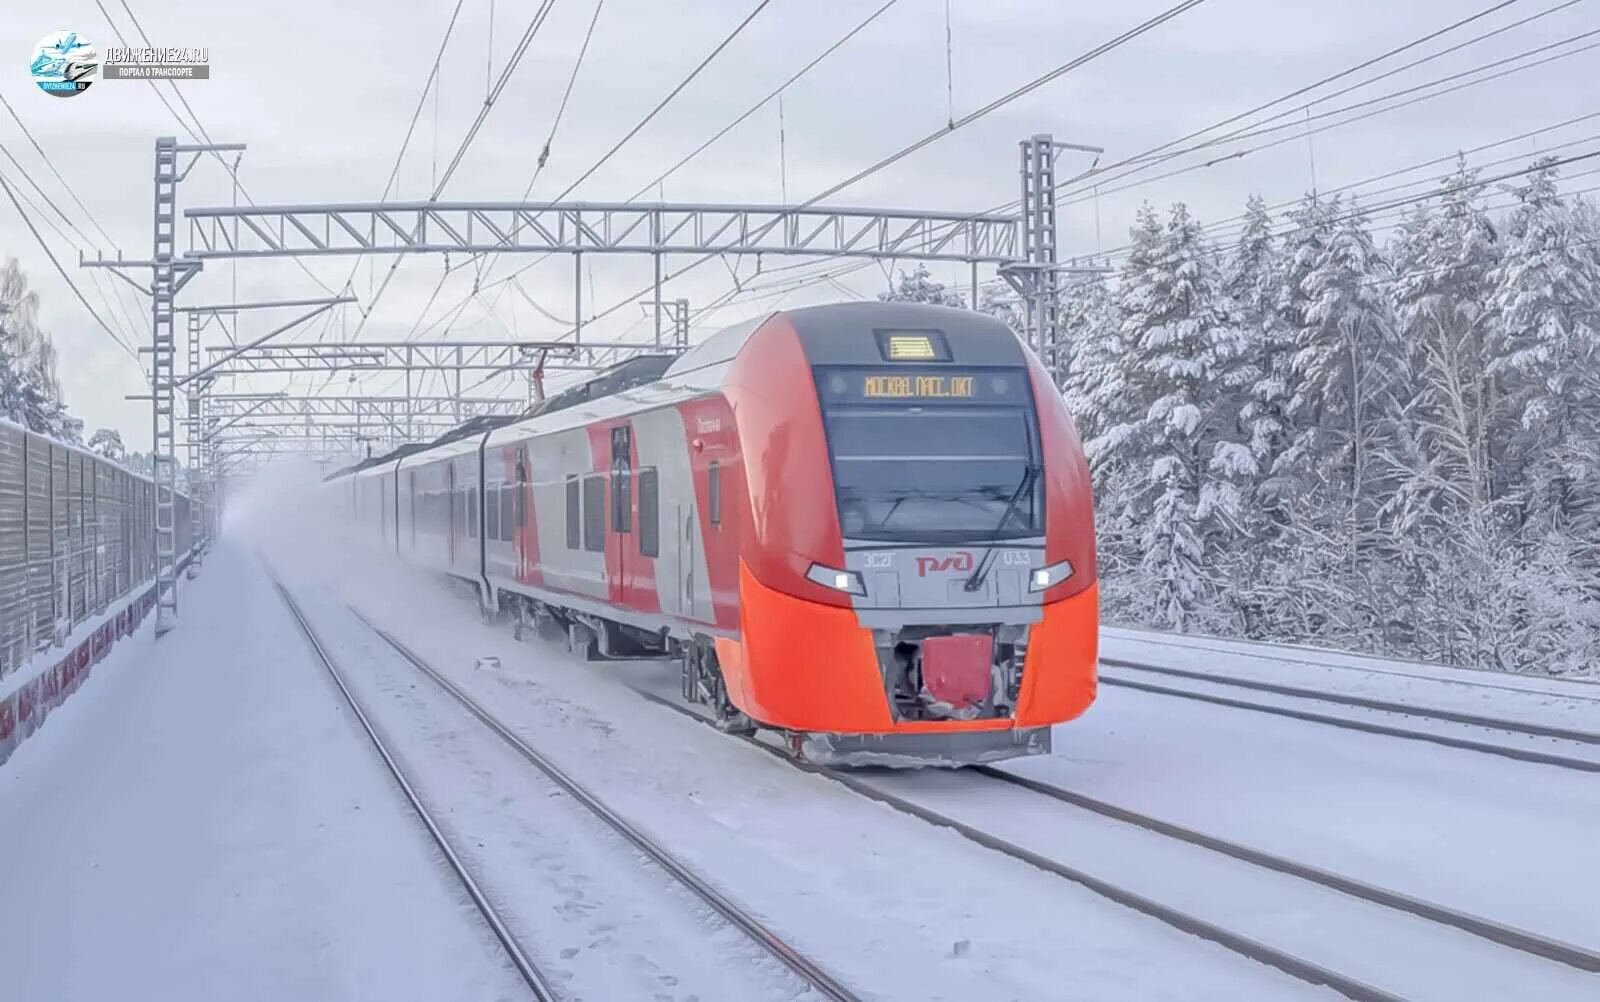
896	908
202	820
1558	702
598	918
1506	840
1412	957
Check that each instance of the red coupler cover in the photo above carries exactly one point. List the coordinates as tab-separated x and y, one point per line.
957	669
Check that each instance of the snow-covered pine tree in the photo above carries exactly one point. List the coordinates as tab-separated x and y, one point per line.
30	393
1091	347
1455	504
107	442
919	287
1187	463
1545	297
1350	387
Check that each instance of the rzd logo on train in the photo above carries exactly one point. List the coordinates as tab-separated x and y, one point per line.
959	561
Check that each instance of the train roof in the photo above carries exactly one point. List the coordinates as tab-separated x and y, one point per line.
646	381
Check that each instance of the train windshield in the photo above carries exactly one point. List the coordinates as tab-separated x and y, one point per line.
935	456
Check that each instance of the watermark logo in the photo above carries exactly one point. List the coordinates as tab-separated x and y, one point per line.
157	62
64	64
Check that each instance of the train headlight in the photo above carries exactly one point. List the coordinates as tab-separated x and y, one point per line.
1049	577
829	577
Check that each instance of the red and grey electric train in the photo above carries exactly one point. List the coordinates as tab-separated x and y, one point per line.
866	525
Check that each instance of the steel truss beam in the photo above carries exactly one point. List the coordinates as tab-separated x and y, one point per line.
269	406
426	356
599	228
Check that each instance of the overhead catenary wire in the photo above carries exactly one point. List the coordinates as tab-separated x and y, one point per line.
1307	88
45	246
459	308
992	106
1006	99
1234	223
1256	128
112	303
1085	194
200	136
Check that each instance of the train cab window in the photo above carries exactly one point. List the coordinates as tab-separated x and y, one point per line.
594	514
714	493
472	513
510	505
574	515
649	513
491	513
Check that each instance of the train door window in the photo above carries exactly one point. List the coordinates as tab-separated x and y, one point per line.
594	514
649	513
574	515
520	495
714	493
510	503
491	513
621	479
472	513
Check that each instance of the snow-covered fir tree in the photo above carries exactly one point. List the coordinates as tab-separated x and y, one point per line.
1309	438
918	286
107	442
1186	464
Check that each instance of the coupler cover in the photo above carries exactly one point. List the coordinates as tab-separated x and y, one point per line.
958	669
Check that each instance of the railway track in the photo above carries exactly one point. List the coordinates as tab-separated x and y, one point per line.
530	973
1414	914
807	969
1580	749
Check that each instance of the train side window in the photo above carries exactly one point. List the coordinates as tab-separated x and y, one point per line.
594	514
714	491
574	515
491	513
510	505
649	513
472	513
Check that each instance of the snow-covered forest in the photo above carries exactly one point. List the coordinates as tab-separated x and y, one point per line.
30	392
1370	430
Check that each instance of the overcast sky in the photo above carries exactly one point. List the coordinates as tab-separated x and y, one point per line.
322	93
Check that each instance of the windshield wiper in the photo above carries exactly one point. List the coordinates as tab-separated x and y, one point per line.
980	572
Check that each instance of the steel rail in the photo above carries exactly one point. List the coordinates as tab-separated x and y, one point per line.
1409	709
525	967
1245	946
1350	723
797	962
1517	939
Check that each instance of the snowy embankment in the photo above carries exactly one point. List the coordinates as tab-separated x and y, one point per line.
1506	840
892	906
205	822
1517	698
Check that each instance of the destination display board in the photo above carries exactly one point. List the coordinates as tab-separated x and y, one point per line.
908	385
